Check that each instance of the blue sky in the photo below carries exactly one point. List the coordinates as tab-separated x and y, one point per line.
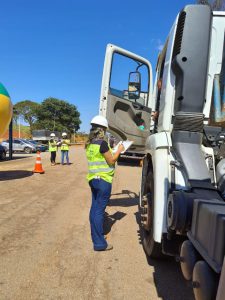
56	48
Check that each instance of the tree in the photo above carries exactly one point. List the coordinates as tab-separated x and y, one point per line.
58	115
27	110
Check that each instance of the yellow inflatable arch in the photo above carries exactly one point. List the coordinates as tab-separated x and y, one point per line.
6	109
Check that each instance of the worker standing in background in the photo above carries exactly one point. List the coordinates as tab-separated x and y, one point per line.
101	165
52	146
65	143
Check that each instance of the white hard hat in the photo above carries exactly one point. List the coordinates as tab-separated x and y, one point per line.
52	134
99	120
64	133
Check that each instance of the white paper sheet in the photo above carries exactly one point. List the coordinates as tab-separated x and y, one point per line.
126	145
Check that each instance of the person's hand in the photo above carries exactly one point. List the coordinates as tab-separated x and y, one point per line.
121	148
154	115
159	84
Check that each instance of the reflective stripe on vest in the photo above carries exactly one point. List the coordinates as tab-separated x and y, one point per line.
52	146
97	165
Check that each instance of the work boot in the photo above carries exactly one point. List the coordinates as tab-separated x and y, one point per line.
109	247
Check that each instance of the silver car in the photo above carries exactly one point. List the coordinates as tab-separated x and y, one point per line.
20	145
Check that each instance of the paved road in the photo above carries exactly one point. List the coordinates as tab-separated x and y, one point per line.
45	246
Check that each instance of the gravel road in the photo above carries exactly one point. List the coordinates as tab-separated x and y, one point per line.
45	245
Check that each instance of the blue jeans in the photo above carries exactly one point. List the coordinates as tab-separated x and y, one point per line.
101	191
64	153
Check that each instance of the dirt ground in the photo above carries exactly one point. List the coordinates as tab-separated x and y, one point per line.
45	245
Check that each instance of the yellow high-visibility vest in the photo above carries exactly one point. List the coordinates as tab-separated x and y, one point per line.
65	145
97	165
52	146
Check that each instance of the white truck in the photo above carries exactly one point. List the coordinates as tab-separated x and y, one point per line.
183	177
43	135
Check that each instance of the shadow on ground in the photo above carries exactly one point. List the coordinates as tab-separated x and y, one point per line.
18	157
14	174
127	198
169	281
110	220
131	162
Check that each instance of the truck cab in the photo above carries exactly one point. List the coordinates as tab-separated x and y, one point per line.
183	176
129	95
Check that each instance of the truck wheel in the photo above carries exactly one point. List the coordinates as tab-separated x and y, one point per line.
205	281
3	156
152	248
27	150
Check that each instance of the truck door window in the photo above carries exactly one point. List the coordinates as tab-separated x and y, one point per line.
217	114
159	78
123	68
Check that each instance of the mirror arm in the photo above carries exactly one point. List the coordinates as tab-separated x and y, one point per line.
139	65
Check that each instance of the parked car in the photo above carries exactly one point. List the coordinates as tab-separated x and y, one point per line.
20	145
2	152
39	147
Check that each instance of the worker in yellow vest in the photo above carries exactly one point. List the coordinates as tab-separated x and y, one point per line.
52	147
101	165
65	143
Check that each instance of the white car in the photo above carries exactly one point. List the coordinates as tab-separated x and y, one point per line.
20	145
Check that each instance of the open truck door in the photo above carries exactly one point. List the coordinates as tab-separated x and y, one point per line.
126	96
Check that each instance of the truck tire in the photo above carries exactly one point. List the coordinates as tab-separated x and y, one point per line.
205	281
3	155
152	248
27	150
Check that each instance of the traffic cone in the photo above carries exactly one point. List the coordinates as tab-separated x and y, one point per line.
38	165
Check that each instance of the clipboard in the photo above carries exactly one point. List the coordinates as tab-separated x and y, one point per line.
126	144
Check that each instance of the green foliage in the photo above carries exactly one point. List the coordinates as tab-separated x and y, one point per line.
24	131
58	115
52	114
27	110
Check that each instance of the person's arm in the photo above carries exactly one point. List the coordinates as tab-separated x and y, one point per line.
154	115
67	142
111	158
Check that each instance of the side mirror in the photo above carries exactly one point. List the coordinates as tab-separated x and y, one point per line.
134	85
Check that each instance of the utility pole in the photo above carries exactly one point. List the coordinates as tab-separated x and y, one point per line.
19	125
11	135
11	139
54	120
74	131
